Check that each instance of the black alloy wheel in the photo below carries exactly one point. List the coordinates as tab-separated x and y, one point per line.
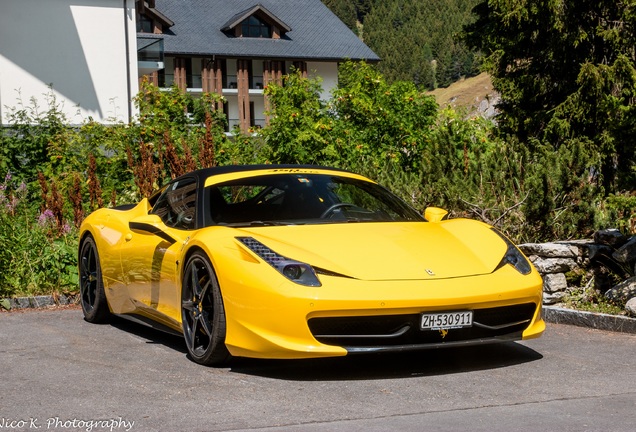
93	298
202	313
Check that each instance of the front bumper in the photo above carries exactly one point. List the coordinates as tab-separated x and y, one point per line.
352	316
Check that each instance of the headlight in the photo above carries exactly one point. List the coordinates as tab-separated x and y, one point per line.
513	256
298	272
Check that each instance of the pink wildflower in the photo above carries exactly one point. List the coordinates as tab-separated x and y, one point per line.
11	204
45	217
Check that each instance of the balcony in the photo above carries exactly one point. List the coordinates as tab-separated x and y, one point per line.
149	54
230	82
230	87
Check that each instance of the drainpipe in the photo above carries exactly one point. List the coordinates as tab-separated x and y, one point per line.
128	89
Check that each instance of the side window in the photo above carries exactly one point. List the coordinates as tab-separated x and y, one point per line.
177	205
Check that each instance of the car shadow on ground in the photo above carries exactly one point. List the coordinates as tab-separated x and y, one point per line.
429	362
149	334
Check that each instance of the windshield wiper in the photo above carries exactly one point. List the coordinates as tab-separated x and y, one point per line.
268	223
255	223
356	220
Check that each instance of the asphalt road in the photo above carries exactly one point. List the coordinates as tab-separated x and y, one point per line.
58	372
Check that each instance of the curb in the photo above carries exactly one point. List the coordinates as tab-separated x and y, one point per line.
600	321
34	302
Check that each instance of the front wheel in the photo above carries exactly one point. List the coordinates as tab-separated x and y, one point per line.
202	312
93	298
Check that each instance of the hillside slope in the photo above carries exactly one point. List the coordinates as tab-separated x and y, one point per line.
474	94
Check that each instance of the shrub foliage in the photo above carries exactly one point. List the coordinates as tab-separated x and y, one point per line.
55	174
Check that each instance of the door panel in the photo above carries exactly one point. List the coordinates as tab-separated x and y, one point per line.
150	261
150	270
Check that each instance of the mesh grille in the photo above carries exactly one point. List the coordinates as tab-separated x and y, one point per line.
261	250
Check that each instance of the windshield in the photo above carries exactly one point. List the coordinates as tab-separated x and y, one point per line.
303	199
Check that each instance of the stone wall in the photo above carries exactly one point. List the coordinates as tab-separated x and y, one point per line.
602	266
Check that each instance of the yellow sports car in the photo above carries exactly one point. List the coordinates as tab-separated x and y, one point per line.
280	261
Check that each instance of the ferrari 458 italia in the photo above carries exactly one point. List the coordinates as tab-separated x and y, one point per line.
285	262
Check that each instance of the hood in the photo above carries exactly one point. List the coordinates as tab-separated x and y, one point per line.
389	250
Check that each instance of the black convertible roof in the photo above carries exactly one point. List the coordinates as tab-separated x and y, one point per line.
204	173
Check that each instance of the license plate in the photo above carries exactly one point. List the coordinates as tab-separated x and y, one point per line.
447	320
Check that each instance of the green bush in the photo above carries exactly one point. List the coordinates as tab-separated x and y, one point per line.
36	254
392	133
621	208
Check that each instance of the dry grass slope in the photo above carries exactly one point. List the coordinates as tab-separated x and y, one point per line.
467	93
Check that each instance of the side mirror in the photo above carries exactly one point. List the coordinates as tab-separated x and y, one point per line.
435	214
150	224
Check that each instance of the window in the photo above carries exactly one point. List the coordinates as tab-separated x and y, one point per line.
304	199
177	204
254	27
145	25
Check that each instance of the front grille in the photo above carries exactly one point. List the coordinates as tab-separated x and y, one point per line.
404	330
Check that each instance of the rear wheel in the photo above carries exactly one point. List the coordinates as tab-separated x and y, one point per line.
93	298
202	312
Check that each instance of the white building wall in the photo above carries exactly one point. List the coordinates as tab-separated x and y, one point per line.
77	47
329	74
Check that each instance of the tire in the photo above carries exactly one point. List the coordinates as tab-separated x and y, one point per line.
92	296
202	313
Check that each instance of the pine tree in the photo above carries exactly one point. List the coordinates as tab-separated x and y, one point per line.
416	40
566	73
